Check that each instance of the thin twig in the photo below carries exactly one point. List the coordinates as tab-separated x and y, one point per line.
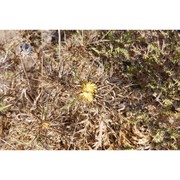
59	41
24	69
7	143
59	54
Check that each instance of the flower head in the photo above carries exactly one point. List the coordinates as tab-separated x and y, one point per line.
88	91
87	96
89	87
45	125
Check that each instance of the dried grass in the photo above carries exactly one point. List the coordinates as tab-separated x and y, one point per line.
46	113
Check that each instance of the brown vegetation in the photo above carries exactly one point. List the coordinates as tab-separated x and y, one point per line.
132	100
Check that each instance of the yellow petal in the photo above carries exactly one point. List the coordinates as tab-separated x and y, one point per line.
45	125
89	87
87	96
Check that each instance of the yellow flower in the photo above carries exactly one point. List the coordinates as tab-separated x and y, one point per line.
89	87
45	125
87	95
88	91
